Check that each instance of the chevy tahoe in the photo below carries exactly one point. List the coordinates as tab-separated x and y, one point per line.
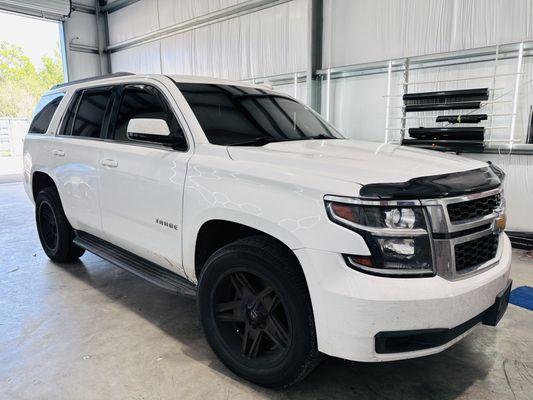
295	241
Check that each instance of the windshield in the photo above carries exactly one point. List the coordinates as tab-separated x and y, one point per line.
237	115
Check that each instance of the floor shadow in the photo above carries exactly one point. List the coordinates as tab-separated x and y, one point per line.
443	376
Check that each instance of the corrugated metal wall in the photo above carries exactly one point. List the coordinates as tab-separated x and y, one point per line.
267	42
360	31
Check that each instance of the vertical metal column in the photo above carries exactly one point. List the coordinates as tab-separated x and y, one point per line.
65	51
515	97
405	91
387	111
314	52
493	95
328	92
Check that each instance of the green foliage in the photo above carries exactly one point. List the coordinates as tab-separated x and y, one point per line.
21	84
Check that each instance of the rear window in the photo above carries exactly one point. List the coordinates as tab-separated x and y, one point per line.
91	113
87	112
44	112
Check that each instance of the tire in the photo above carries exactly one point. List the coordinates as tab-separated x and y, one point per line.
55	233
256	312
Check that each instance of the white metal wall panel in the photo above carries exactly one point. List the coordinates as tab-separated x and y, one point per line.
172	12
83	65
264	43
140	59
48	8
82	29
359	31
134	20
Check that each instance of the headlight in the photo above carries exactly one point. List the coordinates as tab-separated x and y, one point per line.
397	236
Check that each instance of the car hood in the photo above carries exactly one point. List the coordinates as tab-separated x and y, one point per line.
354	161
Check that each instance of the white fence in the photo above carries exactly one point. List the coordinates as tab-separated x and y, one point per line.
12	132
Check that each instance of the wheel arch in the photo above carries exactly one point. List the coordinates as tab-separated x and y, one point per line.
216	233
39	181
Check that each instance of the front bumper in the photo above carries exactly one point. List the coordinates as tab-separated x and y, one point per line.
351	308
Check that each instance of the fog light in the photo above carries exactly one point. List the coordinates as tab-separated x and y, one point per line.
404	248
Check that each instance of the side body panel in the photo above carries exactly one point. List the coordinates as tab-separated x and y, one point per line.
71	163
141	192
76	176
141	201
270	199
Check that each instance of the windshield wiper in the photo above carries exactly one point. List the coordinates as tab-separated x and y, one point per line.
260	141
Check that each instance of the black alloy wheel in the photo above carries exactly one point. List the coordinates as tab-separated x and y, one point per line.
250	316
47	223
256	312
55	233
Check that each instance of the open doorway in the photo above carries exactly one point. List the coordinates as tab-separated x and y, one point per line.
30	63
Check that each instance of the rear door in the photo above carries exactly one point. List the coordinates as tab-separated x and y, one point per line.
76	153
141	183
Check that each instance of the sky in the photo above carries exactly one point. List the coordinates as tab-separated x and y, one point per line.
37	37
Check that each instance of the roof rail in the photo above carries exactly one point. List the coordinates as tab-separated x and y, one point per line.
93	78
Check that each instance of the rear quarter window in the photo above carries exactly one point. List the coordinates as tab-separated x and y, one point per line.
44	112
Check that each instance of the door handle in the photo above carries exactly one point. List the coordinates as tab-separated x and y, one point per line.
106	162
58	153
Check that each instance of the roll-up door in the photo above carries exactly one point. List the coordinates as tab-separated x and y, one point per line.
53	9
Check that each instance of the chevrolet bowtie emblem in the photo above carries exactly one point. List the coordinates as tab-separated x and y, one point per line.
499	223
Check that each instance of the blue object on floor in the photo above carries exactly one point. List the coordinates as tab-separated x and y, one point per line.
522	296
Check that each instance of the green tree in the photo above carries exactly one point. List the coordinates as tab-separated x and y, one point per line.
21	84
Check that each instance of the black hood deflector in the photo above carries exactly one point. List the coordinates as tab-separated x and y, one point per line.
436	186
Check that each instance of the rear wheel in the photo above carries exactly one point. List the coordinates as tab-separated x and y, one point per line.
55	233
256	312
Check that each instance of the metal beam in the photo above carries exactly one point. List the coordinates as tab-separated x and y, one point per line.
207	19
82	48
82	8
116	5
103	42
65	51
314	52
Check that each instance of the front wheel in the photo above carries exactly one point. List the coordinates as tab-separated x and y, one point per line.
55	232
256	312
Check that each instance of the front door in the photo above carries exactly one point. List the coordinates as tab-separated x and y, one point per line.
141	183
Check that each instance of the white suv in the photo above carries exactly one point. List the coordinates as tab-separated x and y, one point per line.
296	241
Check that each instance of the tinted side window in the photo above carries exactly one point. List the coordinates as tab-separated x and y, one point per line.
66	127
90	113
44	112
143	102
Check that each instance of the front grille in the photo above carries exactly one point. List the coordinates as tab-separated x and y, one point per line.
473	208
475	252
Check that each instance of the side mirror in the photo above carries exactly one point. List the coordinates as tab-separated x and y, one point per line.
154	131
138	128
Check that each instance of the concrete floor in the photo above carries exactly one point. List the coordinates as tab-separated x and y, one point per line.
89	330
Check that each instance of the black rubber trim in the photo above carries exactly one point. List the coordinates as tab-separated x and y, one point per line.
468	133
471	94
139	266
413	340
462	119
436	186
464	105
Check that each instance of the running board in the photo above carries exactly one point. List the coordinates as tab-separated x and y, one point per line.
139	266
